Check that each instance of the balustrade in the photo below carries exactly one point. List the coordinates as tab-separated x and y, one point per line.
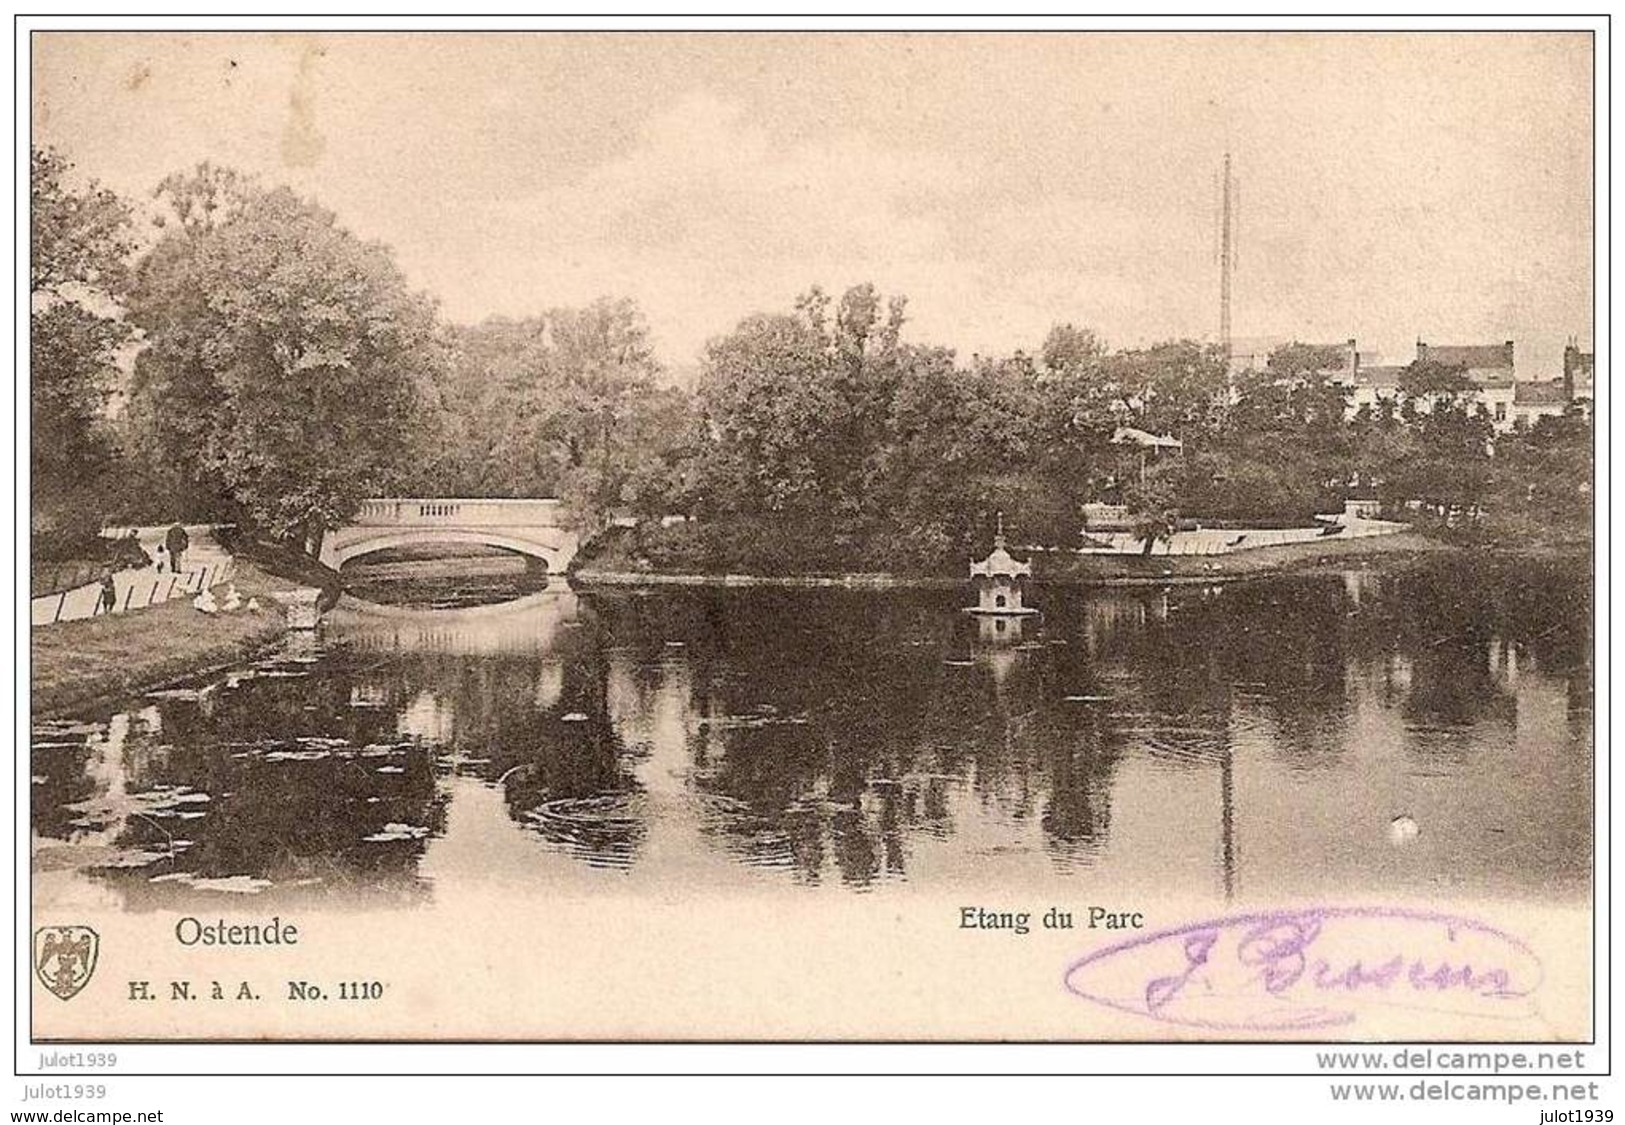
455	512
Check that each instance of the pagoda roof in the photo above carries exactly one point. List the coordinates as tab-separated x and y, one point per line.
1000	564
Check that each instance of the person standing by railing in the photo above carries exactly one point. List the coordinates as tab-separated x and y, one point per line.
176	541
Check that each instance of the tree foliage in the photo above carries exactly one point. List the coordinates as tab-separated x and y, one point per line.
284	371
286	359
79	240
566	403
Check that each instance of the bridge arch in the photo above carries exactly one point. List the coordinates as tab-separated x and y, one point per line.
536	528
346	547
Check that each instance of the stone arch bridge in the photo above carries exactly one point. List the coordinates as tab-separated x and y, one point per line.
530	527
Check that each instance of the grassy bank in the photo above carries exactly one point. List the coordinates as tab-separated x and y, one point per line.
281	564
1127	570
1064	567
80	664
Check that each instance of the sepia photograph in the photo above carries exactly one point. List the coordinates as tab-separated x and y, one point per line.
826	537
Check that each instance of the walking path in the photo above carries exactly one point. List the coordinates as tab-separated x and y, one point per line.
206	564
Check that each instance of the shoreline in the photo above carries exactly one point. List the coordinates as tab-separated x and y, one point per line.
99	661
1054	568
96	662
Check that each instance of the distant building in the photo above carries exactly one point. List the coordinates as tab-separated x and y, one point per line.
1252	353
1482	363
1534	401
1370	385
1491	368
1156	444
1577	373
1496	399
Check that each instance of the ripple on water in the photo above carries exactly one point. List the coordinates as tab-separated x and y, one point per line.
602	830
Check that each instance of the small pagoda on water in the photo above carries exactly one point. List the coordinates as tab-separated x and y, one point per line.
1000	581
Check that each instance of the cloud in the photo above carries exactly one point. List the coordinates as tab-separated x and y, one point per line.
719	213
1392	185
706	177
723	217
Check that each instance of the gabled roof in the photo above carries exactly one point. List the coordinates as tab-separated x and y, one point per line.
1470	355
1549	393
1384	377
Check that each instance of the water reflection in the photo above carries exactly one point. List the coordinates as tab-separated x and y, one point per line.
1247	742
425	579
238	786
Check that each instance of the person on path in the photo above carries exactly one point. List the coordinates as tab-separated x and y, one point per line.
175	542
109	596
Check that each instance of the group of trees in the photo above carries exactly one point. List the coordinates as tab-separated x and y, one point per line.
828	442
233	353
566	403
278	361
276	369
79	243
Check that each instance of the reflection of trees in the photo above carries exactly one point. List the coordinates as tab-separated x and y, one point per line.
1452	619
1451	687
807	722
824	730
573	787
287	799
61	779
831	726
289	821
1080	755
538	724
828	723
1161	660
1282	647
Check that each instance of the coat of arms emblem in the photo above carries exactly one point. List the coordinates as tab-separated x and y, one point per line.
65	957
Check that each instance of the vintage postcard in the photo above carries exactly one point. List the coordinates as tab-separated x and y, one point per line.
812	536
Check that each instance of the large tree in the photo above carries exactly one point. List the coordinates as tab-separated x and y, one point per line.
80	237
566	403
1282	450
287	358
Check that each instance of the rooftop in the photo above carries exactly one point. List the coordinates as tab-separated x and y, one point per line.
999	563
1373	376
1467	355
1549	393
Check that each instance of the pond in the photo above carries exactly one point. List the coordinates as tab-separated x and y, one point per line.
1360	733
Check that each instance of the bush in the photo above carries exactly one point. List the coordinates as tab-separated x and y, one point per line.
775	547
64	527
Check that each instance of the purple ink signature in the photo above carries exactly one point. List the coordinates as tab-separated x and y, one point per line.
1310	968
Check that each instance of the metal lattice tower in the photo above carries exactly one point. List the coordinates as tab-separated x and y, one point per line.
1227	254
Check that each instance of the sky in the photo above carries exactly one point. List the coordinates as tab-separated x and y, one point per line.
1392	187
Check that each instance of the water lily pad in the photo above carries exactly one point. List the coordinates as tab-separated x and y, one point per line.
394	831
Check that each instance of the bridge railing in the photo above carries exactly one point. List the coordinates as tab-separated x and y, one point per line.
458	512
